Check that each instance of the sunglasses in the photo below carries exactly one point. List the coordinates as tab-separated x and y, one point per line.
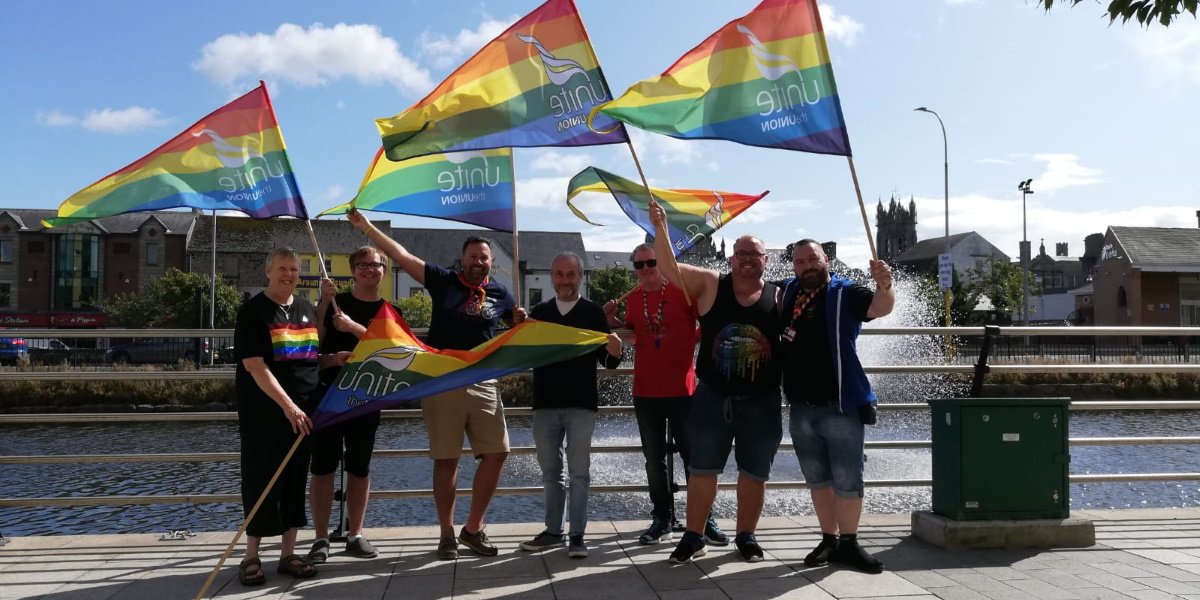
649	262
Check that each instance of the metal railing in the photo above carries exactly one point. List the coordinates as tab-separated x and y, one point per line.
979	370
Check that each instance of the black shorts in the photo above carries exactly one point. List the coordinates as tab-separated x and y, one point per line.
357	435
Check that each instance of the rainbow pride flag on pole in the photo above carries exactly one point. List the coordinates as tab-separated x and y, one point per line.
531	86
691	214
473	187
391	366
762	80
232	159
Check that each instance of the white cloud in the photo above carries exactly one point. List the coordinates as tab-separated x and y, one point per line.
770	209
839	28
994	161
614	238
447	52
1167	56
107	120
312	57
560	163
1064	171
665	150
334	194
542	192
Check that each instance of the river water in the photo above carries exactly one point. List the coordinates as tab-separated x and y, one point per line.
520	470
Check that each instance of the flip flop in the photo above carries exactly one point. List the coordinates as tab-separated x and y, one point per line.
296	566
247	578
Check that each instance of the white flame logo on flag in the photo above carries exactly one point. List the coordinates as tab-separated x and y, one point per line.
231	156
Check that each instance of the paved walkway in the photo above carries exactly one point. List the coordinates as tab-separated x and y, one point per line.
1145	554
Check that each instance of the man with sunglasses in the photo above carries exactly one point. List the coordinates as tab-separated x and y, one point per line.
341	320
737	400
663	321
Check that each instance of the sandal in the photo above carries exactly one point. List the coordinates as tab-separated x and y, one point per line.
248	577
296	566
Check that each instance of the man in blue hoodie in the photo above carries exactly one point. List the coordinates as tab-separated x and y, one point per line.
831	399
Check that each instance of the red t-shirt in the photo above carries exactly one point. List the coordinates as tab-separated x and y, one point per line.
665	369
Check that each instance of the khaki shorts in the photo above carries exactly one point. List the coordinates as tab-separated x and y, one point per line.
476	410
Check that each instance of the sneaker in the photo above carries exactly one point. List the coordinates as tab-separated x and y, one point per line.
820	555
676	526
691	545
748	546
577	549
713	534
659	531
359	547
478	542
853	555
543	540
447	549
319	552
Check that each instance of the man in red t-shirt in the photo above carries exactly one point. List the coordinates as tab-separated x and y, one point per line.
664	326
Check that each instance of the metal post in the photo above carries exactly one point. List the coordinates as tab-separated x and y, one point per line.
946	196
1025	191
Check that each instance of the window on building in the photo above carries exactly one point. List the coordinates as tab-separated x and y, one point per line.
329	265
152	253
6	251
306	265
5	295
413	291
535	296
77	271
1122	300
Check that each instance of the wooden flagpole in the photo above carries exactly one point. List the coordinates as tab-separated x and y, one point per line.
861	207
321	260
246	522
687	295
512	174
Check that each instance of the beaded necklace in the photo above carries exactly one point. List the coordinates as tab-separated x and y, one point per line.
656	326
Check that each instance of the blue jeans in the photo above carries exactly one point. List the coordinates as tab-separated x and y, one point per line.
829	447
755	421
551	428
653	417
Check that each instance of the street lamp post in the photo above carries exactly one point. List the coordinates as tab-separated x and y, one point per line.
946	192
1025	191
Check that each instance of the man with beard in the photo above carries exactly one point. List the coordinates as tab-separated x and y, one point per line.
737	398
565	400
341	320
467	306
663	321
829	394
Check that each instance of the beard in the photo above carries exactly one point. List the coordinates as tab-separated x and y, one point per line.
476	273
813	278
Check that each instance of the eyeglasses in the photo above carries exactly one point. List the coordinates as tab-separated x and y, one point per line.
370	265
649	262
748	255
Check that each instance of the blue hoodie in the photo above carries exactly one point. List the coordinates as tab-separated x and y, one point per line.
854	389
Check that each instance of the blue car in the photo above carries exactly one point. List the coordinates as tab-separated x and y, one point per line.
13	349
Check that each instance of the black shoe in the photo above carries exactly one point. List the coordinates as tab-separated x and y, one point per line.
691	545
319	552
447	549
853	555
576	548
713	534
659	531
359	547
677	527
543	541
478	542
819	557
748	546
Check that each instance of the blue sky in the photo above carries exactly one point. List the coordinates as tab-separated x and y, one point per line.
1102	118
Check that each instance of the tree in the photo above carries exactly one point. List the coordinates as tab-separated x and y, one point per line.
177	300
963	301
610	283
417	309
1145	11
1001	282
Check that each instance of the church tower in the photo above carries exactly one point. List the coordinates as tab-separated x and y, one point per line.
895	228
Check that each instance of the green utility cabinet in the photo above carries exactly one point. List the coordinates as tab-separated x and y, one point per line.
1000	458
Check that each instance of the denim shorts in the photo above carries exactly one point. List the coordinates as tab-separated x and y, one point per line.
829	447
717	420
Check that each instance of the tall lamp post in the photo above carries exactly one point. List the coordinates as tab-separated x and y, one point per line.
1025	191
946	190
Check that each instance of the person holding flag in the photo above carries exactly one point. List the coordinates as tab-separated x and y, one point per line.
275	337
663	321
467	307
341	320
737	398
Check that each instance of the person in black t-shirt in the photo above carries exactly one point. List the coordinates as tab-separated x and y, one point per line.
342	319
467	306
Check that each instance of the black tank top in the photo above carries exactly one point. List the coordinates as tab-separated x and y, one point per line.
739	345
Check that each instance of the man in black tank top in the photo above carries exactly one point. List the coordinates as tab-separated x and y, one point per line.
737	398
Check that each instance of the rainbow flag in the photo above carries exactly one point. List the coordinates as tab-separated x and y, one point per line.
531	86
762	80
232	159
473	187
691	214
293	342
391	366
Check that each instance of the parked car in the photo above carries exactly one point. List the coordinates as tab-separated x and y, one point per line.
49	351
159	350
13	349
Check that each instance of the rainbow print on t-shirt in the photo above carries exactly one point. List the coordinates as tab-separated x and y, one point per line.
291	341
